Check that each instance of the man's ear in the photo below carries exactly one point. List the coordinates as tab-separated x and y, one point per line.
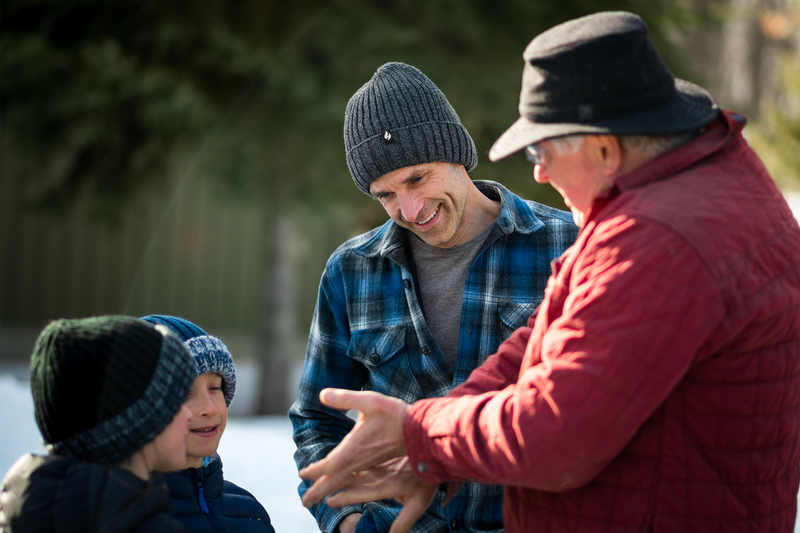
609	154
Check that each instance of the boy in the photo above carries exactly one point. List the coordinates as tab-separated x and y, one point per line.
108	396
201	499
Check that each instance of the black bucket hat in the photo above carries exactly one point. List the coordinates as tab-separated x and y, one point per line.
601	74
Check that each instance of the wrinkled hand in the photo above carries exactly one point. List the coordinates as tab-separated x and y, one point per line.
376	438
393	479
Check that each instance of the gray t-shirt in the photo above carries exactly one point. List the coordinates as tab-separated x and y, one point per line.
441	273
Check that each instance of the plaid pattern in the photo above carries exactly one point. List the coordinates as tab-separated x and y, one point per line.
369	332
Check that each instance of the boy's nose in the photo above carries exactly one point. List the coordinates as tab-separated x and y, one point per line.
207	406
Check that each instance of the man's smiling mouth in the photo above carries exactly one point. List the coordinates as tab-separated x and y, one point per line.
430	217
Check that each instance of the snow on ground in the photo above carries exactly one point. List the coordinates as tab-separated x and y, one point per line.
256	455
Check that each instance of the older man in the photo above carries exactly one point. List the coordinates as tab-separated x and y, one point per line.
411	308
657	388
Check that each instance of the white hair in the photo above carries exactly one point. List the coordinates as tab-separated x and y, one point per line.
647	145
568	144
653	145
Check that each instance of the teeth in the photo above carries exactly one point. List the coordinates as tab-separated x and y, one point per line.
429	218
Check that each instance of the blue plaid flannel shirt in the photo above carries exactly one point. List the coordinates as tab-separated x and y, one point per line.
369	332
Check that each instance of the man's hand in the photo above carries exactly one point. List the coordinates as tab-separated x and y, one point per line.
393	479
348	523
376	438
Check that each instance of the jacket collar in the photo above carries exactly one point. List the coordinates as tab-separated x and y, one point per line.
712	138
515	216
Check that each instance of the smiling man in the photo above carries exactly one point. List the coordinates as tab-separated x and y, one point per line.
411	308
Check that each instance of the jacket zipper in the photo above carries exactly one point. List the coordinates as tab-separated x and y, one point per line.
201	498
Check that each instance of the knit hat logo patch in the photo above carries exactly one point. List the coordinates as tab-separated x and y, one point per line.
387	137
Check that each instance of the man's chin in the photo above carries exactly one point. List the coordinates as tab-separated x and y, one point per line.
428	238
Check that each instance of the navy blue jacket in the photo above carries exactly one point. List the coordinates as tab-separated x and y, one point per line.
203	501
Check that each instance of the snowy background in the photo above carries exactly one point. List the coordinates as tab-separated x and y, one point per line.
256	452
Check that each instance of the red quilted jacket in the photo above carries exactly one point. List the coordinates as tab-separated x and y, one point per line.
658	386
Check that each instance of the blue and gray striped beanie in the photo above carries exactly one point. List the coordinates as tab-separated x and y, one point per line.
210	354
103	387
399	119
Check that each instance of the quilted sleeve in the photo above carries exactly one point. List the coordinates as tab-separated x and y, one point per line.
622	331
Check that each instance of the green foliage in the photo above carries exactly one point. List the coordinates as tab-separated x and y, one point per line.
109	95
776	133
102	95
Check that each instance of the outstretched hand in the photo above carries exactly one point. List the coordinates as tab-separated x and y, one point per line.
393	479
376	438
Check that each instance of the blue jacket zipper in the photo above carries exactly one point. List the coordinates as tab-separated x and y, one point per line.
201	498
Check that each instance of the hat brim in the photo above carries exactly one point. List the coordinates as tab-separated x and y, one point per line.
691	107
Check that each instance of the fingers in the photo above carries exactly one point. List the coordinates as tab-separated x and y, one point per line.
344	399
373	484
414	505
393	479
351	455
334	463
360	493
406	519
325	485
366	402
327	480
376	437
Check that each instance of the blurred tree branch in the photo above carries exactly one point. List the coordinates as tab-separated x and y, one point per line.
776	131
102	95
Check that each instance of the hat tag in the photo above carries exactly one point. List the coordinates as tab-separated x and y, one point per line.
387	137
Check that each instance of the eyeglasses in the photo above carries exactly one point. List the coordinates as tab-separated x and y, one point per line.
533	154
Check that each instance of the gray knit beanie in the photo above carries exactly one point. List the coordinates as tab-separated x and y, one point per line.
398	119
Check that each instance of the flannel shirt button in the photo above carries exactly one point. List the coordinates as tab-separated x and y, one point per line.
454	523
426	350
406	284
374	358
422	467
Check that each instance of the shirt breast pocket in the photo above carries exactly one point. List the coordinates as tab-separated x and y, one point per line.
383	352
514	315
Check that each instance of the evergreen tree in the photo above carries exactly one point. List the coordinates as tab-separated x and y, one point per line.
102	95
